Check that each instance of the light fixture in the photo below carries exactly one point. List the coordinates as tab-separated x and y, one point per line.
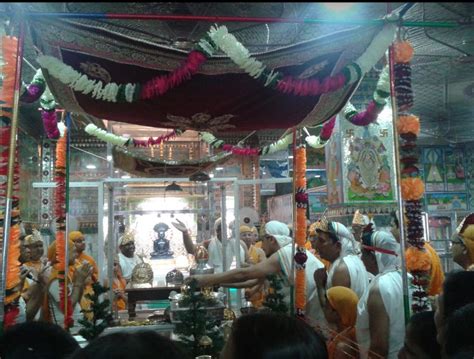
290	157
109	158
125	176
173	187
91	167
219	168
199	177
338	6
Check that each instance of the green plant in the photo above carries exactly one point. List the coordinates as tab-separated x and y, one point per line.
274	300
195	324
101	317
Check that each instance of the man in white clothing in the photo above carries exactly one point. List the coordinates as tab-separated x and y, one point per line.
277	246
214	247
336	244
380	326
127	257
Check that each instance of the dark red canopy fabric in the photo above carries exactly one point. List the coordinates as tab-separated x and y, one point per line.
219	89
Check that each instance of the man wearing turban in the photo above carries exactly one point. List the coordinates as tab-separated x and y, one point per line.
127	257
80	245
336	244
214	246
277	246
463	243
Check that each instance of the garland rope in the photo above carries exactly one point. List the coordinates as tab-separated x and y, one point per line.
7	89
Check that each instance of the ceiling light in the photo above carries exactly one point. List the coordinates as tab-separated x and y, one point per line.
109	158
116	171
173	187
338	6
91	167
199	177
219	168
125	176
211	175
290	157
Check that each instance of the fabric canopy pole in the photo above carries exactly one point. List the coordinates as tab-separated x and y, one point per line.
266	20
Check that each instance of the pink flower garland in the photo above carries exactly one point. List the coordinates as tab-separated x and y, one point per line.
328	127
154	141
311	87
161	84
368	116
236	150
50	123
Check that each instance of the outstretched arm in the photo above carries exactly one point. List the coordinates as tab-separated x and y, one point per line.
247	284
188	243
258	271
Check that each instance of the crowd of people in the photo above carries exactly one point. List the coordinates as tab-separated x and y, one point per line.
354	296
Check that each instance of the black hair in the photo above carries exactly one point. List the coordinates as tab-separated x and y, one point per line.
275	336
36	340
458	290
393	214
424	333
144	344
459	330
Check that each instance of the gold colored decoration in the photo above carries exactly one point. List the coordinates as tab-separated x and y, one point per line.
207	292
126	238
33	238
205	342
142	274
201	254
229	314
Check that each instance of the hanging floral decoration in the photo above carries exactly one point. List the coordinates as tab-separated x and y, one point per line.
60	214
412	186
8	48
130	92
303	87
122	141
38	89
301	200
375	106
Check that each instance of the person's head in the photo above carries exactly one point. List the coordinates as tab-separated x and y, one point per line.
380	250
459	330
342	308
462	242
458	291
25	252
34	243
420	338
218	228
254	231
277	235
332	240
79	241
270	335
145	344
359	221
246	235
32	340
127	245
117	269
395	225
72	253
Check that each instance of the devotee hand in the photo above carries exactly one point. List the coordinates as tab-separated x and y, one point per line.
82	273
180	226
199	278
321	277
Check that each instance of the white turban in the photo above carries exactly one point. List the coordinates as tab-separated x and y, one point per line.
279	231
386	240
345	237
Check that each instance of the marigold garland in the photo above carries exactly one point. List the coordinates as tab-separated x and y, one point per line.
12	275
408	124
419	262
301	200
60	214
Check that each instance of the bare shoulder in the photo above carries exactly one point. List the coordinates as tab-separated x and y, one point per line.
375	301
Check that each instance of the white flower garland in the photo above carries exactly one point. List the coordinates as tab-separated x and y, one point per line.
79	82
103	135
281	144
241	56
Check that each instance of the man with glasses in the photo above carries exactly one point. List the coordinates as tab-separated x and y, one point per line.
462	243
